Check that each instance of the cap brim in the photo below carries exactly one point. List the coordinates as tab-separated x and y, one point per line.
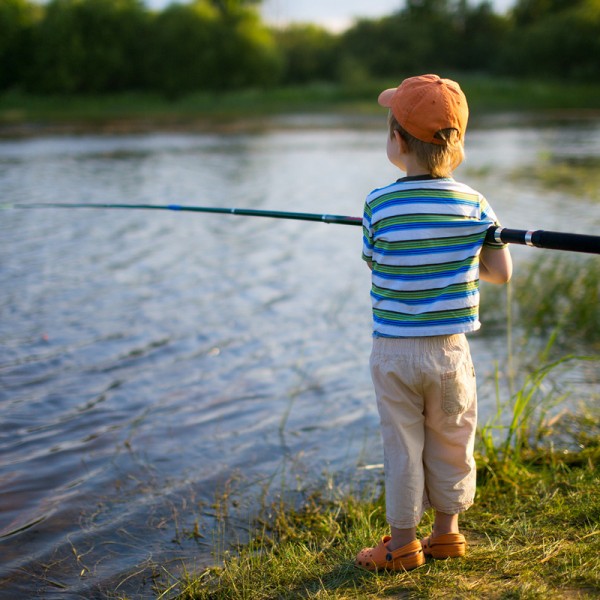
385	98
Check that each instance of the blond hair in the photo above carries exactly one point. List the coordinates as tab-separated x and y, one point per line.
439	159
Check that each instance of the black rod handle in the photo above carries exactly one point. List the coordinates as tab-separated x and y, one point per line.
552	240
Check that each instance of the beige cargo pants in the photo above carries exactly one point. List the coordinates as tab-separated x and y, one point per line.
427	402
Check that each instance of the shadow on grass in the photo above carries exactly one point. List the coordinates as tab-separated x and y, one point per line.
348	581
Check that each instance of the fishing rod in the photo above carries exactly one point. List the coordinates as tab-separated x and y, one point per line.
245	212
551	240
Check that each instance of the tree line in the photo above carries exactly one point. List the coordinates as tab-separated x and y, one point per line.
106	46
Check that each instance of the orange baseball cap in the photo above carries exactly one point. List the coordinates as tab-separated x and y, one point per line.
427	103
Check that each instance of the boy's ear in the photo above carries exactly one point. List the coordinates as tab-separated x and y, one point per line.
401	142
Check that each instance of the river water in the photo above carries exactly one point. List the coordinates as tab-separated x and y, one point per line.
162	374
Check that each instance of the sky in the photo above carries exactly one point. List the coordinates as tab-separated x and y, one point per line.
339	14
333	14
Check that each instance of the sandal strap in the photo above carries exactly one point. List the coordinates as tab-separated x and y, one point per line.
446	538
409	549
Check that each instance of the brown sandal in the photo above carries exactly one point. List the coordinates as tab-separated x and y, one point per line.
402	559
448	545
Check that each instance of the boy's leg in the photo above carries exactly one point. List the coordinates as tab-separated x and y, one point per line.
401	537
445	540
444	523
400	406
400	409
450	424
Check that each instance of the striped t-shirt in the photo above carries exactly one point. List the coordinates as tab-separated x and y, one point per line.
423	236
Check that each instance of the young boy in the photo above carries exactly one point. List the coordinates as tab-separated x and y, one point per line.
424	242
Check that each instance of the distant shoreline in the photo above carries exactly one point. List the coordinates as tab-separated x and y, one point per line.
205	124
490	99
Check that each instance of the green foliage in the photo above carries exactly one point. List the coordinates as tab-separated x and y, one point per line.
247	53
17	21
89	46
107	46
189	32
428	36
309	54
480	37
210	48
562	41
528	12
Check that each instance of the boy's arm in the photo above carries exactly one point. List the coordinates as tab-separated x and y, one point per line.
495	264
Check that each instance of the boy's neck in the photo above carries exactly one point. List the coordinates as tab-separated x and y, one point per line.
413	167
426	177
417	173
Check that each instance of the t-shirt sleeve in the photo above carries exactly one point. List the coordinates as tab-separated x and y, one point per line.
367	250
488	215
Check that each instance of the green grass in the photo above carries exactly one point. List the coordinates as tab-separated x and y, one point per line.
538	537
576	177
487	93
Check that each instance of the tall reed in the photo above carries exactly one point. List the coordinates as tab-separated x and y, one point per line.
553	294
519	423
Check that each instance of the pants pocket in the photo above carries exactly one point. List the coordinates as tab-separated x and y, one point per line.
459	389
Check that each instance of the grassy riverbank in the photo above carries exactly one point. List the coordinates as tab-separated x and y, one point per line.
22	114
534	532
